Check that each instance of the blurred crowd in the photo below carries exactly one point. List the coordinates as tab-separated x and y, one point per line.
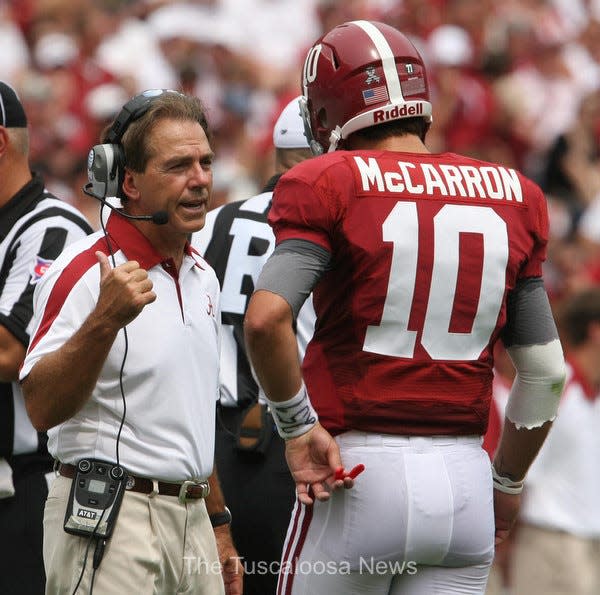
513	81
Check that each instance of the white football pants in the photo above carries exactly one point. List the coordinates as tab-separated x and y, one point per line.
419	521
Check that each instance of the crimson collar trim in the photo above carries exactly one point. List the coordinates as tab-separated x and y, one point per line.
132	242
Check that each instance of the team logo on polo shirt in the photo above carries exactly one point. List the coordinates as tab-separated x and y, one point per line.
40	267
210	309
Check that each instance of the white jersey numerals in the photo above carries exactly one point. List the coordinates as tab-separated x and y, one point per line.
401	227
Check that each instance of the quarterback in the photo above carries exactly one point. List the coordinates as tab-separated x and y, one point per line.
418	264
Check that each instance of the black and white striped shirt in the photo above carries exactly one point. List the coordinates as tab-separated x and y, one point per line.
35	226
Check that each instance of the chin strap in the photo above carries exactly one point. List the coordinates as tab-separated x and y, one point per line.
334	138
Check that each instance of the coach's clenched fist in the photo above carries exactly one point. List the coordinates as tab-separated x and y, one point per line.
124	290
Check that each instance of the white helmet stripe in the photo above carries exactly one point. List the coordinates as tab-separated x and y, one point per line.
387	59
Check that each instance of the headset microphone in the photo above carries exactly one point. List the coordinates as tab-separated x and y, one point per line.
158	218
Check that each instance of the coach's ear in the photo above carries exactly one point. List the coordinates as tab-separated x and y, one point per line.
130	185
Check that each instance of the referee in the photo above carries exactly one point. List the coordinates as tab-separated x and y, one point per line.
35	226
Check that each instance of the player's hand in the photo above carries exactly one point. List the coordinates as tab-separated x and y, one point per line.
506	510
124	291
231	563
316	465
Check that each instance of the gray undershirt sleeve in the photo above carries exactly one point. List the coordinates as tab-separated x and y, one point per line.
293	270
529	319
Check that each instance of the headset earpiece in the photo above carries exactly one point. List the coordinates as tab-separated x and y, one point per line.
106	170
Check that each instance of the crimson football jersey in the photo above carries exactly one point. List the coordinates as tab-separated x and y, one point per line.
425	249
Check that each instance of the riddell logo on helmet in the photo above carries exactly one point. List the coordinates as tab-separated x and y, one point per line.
405	111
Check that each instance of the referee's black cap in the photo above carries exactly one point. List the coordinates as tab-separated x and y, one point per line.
12	114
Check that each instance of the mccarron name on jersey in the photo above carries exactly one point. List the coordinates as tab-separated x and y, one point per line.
467	181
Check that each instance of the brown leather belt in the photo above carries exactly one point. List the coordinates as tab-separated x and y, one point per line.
188	490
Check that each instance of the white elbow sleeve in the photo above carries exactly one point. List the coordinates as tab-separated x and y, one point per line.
538	385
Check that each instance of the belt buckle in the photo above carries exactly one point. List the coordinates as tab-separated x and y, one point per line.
191	483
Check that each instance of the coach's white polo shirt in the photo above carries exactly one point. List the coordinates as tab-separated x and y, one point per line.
563	484
170	376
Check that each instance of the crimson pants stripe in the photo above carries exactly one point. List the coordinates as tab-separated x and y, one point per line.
293	547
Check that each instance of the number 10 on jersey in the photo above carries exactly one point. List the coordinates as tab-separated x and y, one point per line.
401	227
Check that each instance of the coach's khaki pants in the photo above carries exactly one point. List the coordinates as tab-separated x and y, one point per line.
554	563
159	547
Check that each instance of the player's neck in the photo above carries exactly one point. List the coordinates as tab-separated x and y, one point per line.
409	143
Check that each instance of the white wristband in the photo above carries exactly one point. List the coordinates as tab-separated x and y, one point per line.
295	416
505	484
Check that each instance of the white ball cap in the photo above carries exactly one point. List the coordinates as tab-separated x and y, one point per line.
288	132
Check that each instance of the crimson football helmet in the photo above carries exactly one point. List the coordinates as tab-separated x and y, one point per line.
360	74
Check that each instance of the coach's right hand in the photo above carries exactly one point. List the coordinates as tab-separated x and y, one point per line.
124	290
